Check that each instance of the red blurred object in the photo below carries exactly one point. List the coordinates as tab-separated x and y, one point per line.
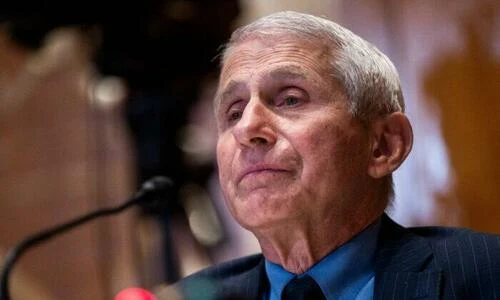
135	294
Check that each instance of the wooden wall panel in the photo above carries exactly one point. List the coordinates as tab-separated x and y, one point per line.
60	158
448	57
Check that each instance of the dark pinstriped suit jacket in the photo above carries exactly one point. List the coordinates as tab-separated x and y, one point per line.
411	263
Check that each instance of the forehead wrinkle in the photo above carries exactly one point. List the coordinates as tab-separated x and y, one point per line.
288	73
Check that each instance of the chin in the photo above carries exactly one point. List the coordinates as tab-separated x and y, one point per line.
256	224
255	219
264	208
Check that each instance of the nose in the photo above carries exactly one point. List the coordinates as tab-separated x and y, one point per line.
256	126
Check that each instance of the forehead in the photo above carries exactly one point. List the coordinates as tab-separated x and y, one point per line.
273	58
263	53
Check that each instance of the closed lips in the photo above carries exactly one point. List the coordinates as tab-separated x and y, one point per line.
260	169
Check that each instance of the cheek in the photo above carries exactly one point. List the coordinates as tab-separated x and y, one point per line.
323	144
223	161
223	153
330	153
225	156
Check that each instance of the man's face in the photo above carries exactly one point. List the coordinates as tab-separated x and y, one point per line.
288	150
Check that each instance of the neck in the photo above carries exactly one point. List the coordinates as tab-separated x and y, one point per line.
298	248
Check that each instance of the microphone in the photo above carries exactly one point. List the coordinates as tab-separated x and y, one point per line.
144	196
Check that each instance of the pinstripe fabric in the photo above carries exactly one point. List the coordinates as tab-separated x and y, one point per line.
436	263
411	263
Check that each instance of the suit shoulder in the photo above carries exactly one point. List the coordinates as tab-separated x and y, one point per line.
466	262
460	249
441	235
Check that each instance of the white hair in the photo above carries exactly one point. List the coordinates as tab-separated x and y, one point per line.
369	78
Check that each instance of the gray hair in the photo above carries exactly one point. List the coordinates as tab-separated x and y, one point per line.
369	78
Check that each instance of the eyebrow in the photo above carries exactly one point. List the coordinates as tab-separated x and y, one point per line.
230	88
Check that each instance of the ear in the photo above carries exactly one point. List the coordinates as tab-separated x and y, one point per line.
392	139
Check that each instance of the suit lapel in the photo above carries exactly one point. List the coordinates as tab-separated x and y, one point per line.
404	265
244	279
250	285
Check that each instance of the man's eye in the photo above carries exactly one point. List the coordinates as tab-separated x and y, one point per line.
235	115
290	101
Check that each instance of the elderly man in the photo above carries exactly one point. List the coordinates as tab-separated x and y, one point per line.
311	126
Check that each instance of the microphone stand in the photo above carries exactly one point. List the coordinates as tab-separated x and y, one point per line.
154	185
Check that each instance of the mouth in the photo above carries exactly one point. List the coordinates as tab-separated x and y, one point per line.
260	170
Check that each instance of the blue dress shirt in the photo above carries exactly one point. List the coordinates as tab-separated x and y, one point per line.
345	273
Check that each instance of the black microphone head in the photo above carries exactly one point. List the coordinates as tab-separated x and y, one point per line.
154	194
157	184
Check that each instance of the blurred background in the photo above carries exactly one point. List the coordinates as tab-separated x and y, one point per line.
98	96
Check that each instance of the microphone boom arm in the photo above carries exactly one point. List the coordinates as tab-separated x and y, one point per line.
154	185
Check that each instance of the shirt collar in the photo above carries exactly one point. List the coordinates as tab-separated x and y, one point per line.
342	273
